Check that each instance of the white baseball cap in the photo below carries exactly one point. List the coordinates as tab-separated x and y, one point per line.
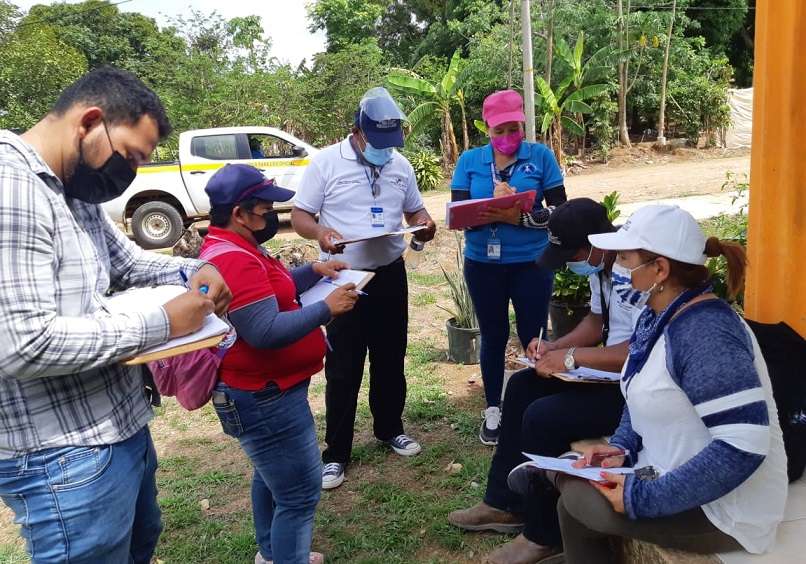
664	230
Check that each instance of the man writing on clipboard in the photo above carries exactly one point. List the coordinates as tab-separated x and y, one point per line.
356	187
544	415
77	462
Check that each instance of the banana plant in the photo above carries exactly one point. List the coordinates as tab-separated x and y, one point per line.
435	103
565	107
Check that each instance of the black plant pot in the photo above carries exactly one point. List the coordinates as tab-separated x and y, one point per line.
463	344
565	317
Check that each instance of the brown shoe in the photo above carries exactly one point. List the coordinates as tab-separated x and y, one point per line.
520	550
482	517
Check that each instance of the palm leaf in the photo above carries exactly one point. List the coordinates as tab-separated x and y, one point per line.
572	126
578	49
410	82
579	107
481	126
547	94
563	86
421	116
588	92
564	52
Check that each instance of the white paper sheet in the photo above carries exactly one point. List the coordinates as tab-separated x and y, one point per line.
139	299
581	373
326	286
565	466
369	236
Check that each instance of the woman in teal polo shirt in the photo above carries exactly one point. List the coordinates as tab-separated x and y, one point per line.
501	256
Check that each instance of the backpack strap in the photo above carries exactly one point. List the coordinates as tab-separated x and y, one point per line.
222	247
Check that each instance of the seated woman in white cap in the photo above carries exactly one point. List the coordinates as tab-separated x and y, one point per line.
700	425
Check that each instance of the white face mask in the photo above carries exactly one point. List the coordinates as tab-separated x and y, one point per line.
622	284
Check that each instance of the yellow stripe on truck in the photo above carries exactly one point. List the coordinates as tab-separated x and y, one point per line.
274	163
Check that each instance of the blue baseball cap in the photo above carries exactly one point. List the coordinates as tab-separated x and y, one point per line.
380	118
238	182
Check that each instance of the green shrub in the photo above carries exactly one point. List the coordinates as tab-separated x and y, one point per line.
427	170
570	288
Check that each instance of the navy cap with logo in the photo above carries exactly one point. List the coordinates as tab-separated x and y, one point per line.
380	118
569	227
235	183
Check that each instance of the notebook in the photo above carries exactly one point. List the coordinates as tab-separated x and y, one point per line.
581	374
460	215
137	299
326	286
565	465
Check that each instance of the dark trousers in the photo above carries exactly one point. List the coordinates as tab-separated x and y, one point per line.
589	523
492	286
378	324
544	416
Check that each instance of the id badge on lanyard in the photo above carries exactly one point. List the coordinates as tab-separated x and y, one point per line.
494	245
375	212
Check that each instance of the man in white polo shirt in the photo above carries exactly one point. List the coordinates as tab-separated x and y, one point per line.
357	187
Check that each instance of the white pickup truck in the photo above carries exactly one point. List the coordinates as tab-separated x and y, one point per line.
166	197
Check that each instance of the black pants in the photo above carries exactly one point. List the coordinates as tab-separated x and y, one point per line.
378	324
544	416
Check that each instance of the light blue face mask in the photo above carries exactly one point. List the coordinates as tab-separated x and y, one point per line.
583	267
378	157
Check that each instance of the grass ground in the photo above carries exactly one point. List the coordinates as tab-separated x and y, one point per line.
390	509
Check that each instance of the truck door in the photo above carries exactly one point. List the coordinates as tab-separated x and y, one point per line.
207	154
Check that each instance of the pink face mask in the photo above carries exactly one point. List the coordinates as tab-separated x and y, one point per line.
507	144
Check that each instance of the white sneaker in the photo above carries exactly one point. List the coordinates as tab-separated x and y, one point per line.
490	425
313	558
404	445
332	475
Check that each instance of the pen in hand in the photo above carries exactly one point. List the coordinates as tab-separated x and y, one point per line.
203	289
332	283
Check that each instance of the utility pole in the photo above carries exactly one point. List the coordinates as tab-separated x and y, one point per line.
528	70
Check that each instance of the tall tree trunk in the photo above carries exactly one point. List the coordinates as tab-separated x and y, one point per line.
549	39
450	138
664	73
623	133
465	134
556	133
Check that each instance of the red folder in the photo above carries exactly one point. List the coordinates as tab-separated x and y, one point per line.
460	215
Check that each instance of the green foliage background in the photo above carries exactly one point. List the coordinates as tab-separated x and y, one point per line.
211	71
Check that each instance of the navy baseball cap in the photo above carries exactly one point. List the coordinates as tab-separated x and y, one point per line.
381	119
238	182
569	227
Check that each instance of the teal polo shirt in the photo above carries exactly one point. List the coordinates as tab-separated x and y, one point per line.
535	169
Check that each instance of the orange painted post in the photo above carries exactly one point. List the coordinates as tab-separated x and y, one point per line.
776	281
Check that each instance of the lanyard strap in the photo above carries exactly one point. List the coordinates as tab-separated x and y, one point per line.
376	175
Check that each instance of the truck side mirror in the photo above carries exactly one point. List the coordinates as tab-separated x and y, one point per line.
299	152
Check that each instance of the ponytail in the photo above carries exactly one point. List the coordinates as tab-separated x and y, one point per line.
736	259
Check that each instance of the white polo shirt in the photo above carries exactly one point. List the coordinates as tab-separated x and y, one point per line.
338	188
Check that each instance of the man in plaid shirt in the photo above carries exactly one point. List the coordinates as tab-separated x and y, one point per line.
76	459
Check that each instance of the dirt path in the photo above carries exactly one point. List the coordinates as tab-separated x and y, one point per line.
639	184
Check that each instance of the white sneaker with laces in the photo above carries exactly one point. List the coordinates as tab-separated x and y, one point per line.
405	445
490	425
332	475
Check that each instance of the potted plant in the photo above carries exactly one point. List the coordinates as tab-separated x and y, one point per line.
464	341
570	300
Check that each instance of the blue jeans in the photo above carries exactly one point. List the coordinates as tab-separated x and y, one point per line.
86	505
492	286
277	432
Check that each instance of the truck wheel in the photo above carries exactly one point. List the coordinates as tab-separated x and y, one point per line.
157	225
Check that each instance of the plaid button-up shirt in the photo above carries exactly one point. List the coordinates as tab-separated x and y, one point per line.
61	382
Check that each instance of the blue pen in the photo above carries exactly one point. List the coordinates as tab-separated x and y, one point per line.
359	292
203	289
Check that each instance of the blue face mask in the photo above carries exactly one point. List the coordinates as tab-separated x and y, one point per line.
378	157
583	267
